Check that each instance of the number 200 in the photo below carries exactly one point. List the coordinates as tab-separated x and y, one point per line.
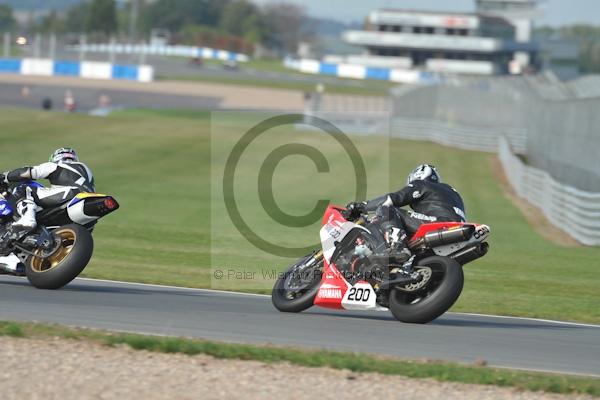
359	294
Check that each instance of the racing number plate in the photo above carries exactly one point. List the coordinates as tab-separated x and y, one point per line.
361	296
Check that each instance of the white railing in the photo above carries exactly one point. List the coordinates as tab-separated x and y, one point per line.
471	67
83	69
463	137
182	51
575	211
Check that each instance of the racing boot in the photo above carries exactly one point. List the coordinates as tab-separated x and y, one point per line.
397	249
401	254
12	265
26	211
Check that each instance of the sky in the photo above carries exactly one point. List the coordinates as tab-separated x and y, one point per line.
556	12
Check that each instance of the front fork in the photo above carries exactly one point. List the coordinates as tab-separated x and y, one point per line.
315	259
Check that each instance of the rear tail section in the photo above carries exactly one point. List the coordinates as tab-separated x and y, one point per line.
88	207
84	209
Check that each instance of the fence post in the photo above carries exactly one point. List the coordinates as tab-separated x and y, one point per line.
133	18
82	45
143	53
6	47
37	46
52	47
111	50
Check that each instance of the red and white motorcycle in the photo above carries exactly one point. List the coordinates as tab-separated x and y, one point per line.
352	272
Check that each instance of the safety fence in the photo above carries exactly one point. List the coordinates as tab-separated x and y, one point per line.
577	212
543	118
550	122
463	137
166	50
356	71
83	69
372	115
352	114
586	86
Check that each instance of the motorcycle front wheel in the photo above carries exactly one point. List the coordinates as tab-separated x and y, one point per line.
295	289
74	248
422	303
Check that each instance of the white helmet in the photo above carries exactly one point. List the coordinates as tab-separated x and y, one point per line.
424	172
64	154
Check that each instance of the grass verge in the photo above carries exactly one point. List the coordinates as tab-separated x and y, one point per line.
344	85
369	89
440	371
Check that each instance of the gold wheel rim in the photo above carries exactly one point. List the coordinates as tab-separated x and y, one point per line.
67	239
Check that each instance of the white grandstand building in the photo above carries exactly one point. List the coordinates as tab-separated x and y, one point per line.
496	39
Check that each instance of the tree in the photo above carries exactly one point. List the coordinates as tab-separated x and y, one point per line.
588	38
76	18
242	18
51	23
102	17
284	27
7	21
278	26
175	14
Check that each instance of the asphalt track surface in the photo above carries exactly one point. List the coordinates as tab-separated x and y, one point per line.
501	341
88	98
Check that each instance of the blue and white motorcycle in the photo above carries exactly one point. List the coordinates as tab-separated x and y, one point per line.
59	249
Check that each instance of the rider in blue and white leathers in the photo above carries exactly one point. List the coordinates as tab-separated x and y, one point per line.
67	175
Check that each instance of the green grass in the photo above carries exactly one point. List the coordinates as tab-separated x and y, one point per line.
158	165
356	362
367	88
263	64
370	89
15	50
11	329
267	64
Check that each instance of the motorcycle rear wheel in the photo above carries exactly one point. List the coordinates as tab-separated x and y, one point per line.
65	263
280	296
433	300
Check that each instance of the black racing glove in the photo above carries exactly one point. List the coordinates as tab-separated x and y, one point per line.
3	183
355	209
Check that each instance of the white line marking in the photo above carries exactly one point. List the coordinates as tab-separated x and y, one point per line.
546	371
216	291
550	321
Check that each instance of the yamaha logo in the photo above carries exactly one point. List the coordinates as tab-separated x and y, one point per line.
330	293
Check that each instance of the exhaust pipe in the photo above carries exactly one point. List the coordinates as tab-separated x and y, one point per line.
471	253
442	237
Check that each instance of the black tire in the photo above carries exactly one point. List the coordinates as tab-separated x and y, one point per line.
81	245
435	298
306	298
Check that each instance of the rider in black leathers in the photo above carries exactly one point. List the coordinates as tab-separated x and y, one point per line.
430	200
